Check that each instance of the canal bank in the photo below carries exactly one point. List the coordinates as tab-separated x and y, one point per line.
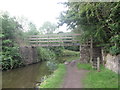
27	77
57	78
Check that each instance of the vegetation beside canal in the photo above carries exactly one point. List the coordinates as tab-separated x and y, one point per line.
84	66
55	80
103	79
14	38
70	53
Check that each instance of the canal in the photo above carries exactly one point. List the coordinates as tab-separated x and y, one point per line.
26	77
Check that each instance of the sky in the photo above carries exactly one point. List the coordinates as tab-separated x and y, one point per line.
37	11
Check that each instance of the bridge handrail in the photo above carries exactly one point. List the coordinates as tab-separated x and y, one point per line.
57	41
46	35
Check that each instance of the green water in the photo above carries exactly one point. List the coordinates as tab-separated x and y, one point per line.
26	77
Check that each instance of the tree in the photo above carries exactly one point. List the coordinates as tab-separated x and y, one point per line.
48	28
32	29
98	20
11	29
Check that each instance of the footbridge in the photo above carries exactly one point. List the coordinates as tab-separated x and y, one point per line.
54	40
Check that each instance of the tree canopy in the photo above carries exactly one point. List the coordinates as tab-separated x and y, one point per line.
48	27
11	30
99	20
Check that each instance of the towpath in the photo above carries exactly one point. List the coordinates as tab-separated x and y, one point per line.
74	77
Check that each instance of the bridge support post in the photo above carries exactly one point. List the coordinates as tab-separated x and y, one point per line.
91	50
84	54
98	64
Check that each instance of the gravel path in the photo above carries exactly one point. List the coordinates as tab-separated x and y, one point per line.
73	77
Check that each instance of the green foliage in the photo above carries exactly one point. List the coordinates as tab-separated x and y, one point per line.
60	51
1	35
52	65
114	50
10	52
73	48
55	80
32	29
103	79
46	54
98	20
48	28
57	50
11	58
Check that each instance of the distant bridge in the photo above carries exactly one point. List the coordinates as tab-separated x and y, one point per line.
54	40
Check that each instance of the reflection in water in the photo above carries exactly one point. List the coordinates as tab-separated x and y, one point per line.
25	77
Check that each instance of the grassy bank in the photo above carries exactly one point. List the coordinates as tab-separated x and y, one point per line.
84	66
55	80
103	79
70	53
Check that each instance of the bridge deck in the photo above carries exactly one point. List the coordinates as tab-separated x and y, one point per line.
54	40
51	45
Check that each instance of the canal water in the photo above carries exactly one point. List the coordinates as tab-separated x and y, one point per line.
26	77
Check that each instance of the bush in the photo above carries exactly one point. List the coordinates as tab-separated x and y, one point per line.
52	65
73	48
11	58
10	55
57	50
46	54
114	50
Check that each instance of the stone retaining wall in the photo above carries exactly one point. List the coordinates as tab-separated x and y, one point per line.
85	54
112	62
29	55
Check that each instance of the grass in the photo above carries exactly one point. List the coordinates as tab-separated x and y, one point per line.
55	80
103	79
69	59
84	66
70	53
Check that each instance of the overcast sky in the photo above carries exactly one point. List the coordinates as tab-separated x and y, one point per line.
37	11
